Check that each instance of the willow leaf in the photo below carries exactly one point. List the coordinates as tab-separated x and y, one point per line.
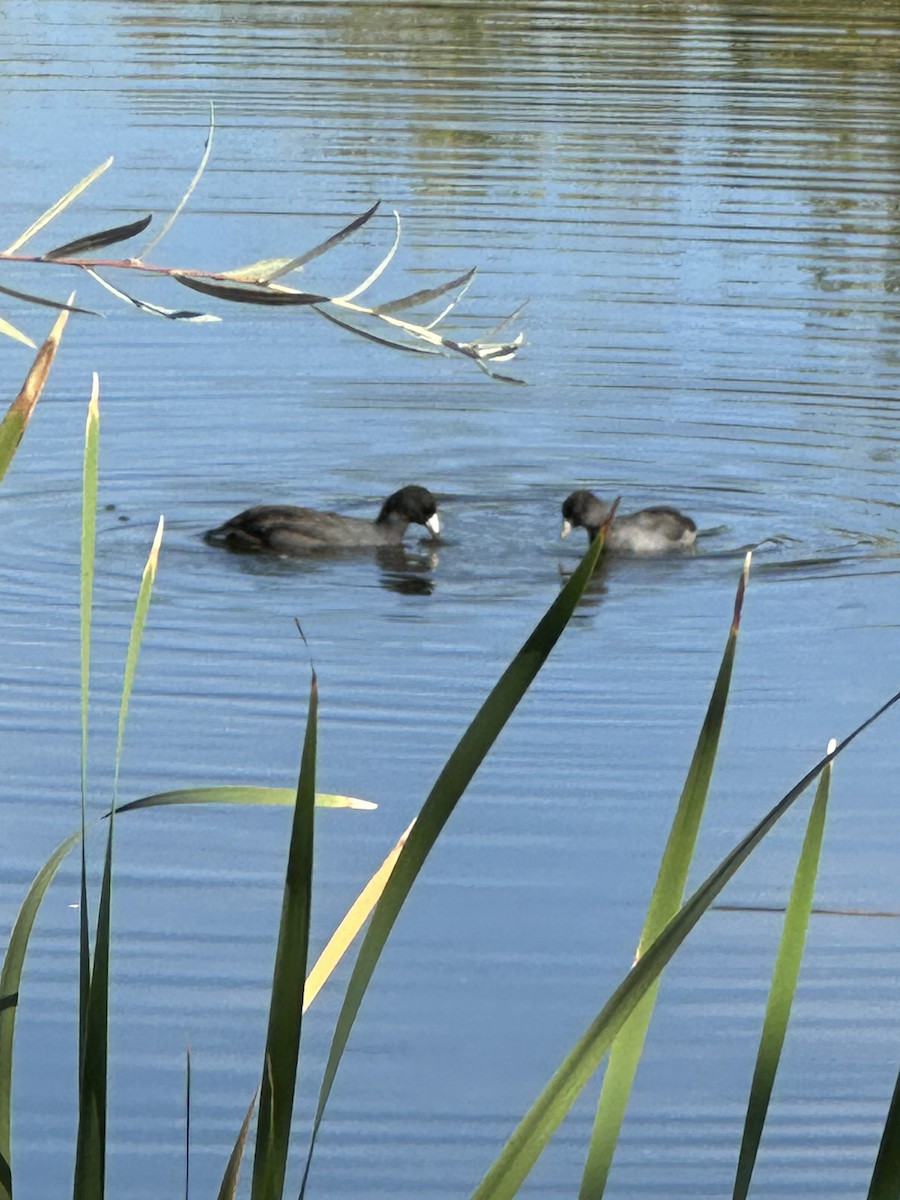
103	237
55	209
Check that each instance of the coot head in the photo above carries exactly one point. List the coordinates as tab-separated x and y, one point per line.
411	503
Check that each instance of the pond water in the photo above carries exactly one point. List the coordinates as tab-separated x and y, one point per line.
699	203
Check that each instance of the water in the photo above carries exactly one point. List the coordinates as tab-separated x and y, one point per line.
698	204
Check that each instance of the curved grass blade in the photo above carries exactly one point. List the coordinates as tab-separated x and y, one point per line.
198	175
885	1181
442	800
90	1154
10	984
380	269
156	310
88	544
357	915
13	426
55	209
665	901
30	298
242	794
228	1187
282	1053
524	1147
12	331
103	237
784	986
249	293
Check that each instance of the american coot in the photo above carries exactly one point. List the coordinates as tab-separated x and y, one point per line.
650	531
283	529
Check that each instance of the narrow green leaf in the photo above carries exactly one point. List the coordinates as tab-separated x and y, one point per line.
228	1187
446	792
885	1181
88	540
664	903
187	1125
96	241
10	984
55	209
134	646
242	795
19	413
784	985
524	1147
279	1076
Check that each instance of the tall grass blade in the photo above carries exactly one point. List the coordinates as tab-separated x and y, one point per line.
885	1181
88	541
19	413
12	331
55	209
784	985
90	1154
664	903
10	983
187	1125
198	175
524	1147
228	1187
356	916
134	646
282	1054
448	788
242	794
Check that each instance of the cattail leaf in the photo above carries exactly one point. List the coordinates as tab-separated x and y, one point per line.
95	241
665	901
10	983
442	800
784	986
511	1167
228	1187
282	1053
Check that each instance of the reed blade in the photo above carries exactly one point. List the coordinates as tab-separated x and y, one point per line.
665	901
446	792
242	794
521	1152
784	986
282	1054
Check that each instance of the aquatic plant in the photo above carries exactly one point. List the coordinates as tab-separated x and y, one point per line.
619	1027
261	283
